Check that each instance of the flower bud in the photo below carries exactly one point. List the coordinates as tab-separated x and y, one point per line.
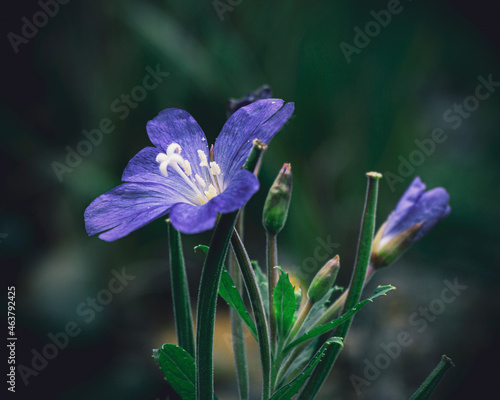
385	252
278	201
324	280
416	213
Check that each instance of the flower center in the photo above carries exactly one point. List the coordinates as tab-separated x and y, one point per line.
206	187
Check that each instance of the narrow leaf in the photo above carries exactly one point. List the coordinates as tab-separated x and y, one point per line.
228	291
179	369
284	304
291	388
319	330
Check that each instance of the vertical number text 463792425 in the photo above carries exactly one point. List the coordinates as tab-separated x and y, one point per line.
11	338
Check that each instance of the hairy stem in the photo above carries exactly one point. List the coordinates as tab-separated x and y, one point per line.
258	312
322	370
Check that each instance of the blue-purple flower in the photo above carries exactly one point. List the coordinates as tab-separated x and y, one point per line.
181	177
416	213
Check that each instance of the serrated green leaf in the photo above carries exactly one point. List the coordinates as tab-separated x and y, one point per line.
284	304
319	330
291	388
228	291
179	369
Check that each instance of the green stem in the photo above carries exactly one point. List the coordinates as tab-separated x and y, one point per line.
258	312
427	387
272	274
322	370
180	293
207	301
209	288
239	350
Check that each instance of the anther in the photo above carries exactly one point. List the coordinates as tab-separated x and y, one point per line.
214	168
203	158
211	192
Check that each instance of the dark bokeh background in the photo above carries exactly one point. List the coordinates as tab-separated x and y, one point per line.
350	118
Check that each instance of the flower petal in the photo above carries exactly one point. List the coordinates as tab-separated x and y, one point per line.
410	197
432	208
242	187
128	207
259	120
178	126
187	218
144	168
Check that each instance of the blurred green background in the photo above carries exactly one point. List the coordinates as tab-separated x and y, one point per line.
351	117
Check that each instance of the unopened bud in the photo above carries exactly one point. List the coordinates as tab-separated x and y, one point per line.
385	250
324	280
278	201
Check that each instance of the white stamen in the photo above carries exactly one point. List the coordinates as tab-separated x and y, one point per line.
203	158
173	148
214	168
161	157
163	168
173	159
211	192
200	181
187	168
